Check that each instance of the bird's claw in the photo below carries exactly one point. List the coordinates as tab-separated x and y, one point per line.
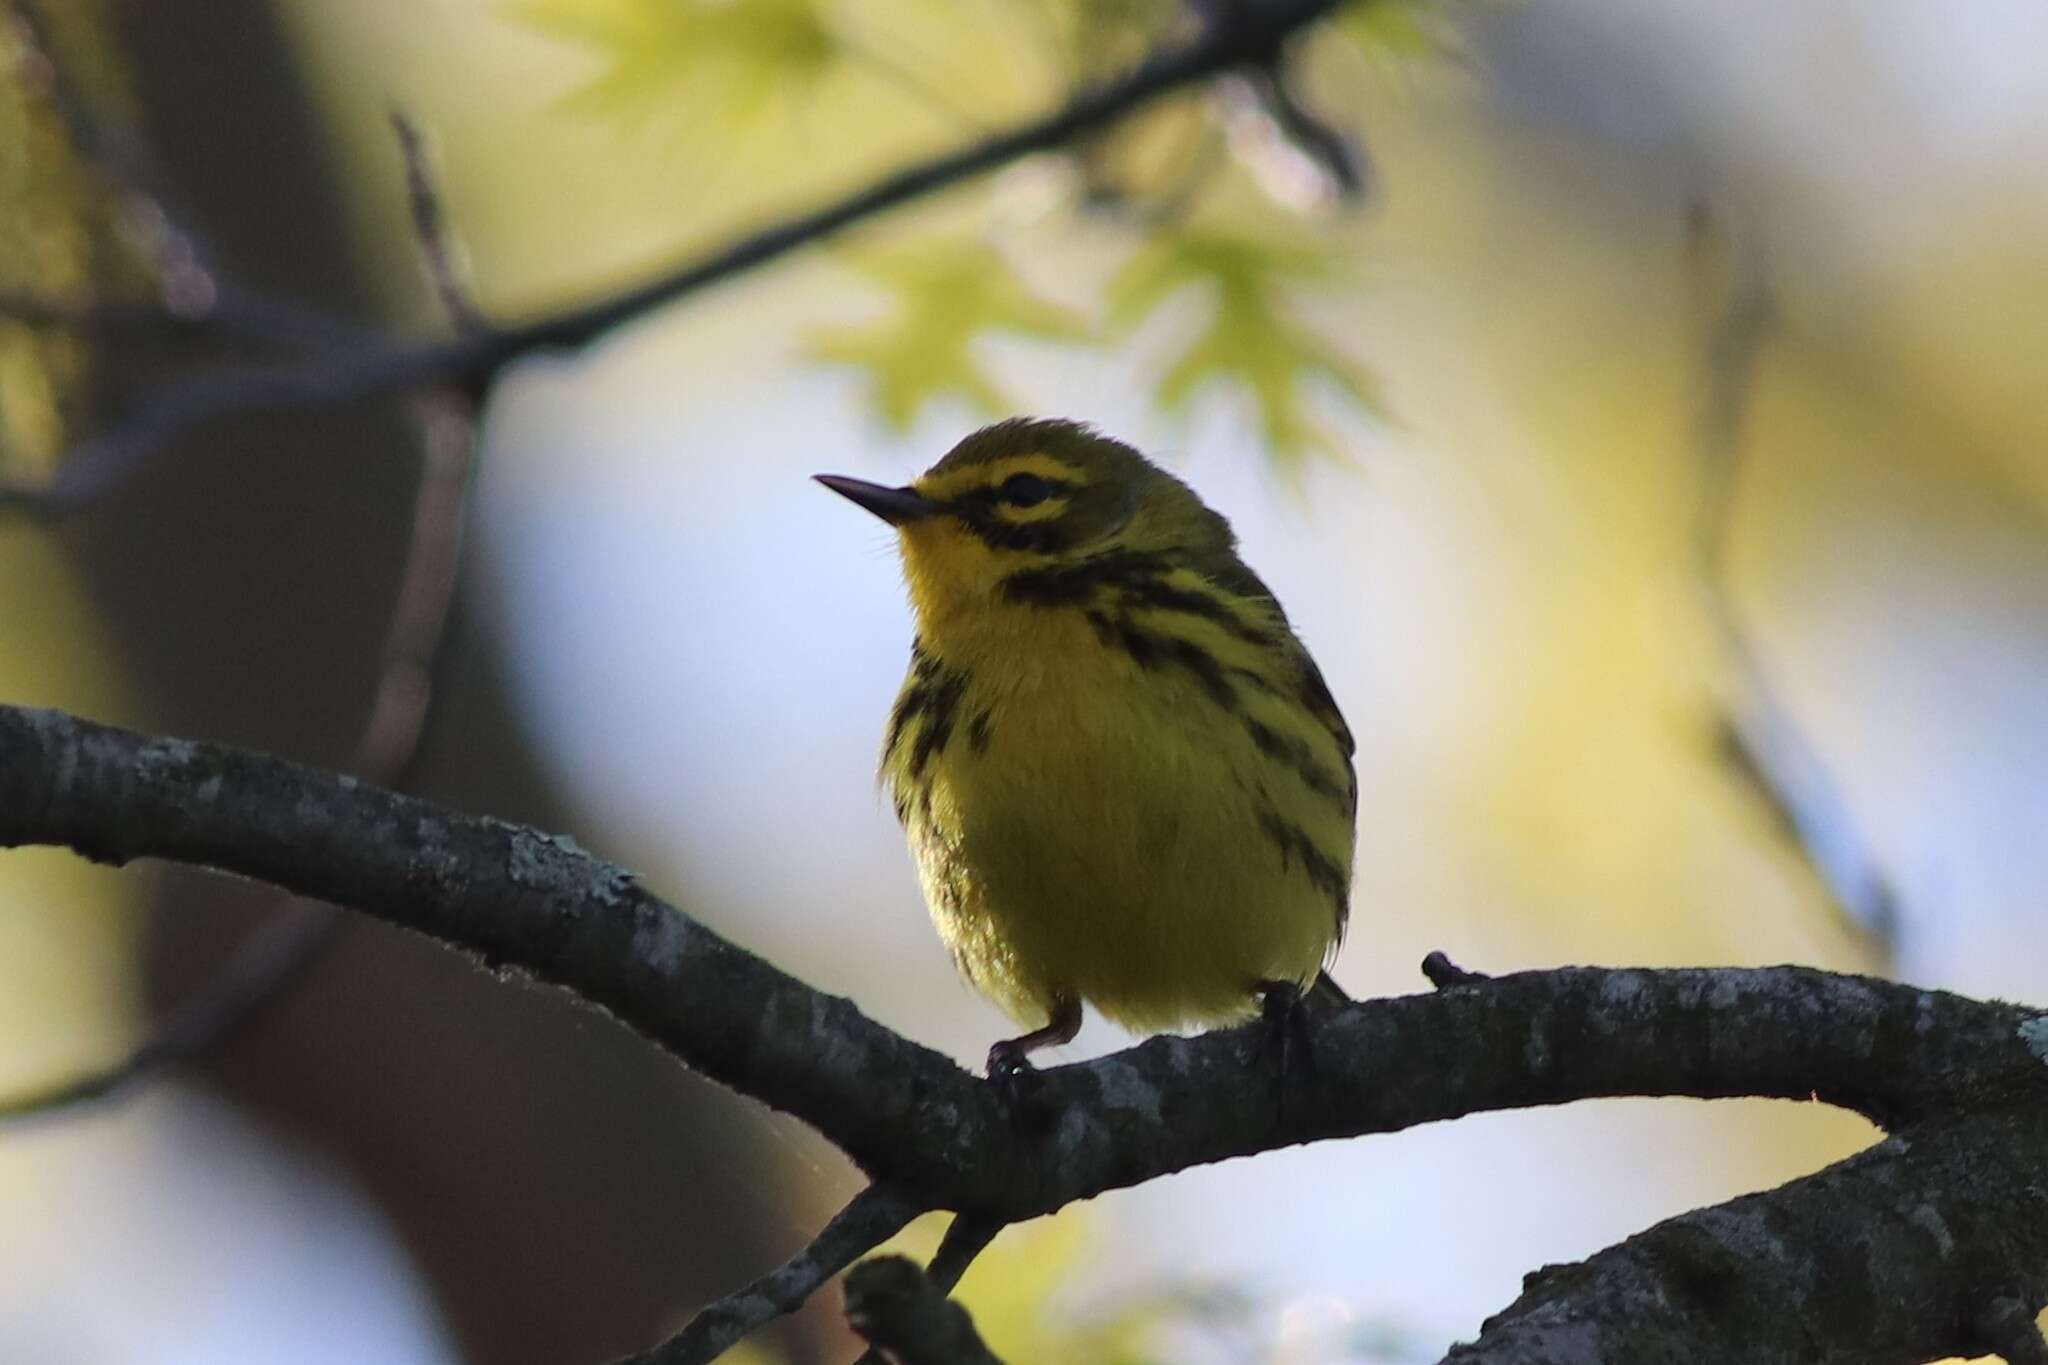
1020	1085
1286	1039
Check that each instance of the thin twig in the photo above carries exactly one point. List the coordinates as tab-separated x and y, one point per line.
875	1215
440	255
904	1314
1762	744
967	1236
195	294
1334	154
257	973
280	954
1252	35
1444	973
111	148
100	317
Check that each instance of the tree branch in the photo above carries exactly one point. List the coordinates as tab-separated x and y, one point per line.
1760	741
1952	1201
441	256
1243	35
195	298
387	748
966	1238
1876	1258
907	1317
875	1215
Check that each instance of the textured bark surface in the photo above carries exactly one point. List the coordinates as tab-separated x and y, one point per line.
1897	1254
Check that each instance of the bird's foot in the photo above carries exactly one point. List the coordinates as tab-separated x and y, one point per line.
1020	1084
1010	1068
1287	1042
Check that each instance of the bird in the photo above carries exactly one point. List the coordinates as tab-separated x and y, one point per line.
1123	780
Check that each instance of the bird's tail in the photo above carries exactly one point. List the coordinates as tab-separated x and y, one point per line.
1326	993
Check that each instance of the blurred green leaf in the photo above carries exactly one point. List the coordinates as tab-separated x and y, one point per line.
1402	28
1099	36
1253	336
945	296
64	234
736	56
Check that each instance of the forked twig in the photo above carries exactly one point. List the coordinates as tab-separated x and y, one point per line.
280	953
875	1215
966	1238
905	1316
195	296
1242	36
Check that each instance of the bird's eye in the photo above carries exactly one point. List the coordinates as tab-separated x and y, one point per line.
1025	490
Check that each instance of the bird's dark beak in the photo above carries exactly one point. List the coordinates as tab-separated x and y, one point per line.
893	505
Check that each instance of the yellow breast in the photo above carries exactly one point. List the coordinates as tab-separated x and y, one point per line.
1118	804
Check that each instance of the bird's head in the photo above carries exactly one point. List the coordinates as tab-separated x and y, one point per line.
1031	494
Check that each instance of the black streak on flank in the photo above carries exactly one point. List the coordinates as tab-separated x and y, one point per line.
1206	670
932	697
1295	754
940	711
924	673
1322	871
977	732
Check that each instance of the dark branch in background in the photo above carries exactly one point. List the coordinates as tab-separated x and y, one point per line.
875	1215
280	953
195	299
1335	156
1251	35
441	255
1873	1260
1761	742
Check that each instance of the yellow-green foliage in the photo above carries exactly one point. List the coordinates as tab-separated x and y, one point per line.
66	937
732	61
45	248
735	65
944	296
1252	335
61	237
